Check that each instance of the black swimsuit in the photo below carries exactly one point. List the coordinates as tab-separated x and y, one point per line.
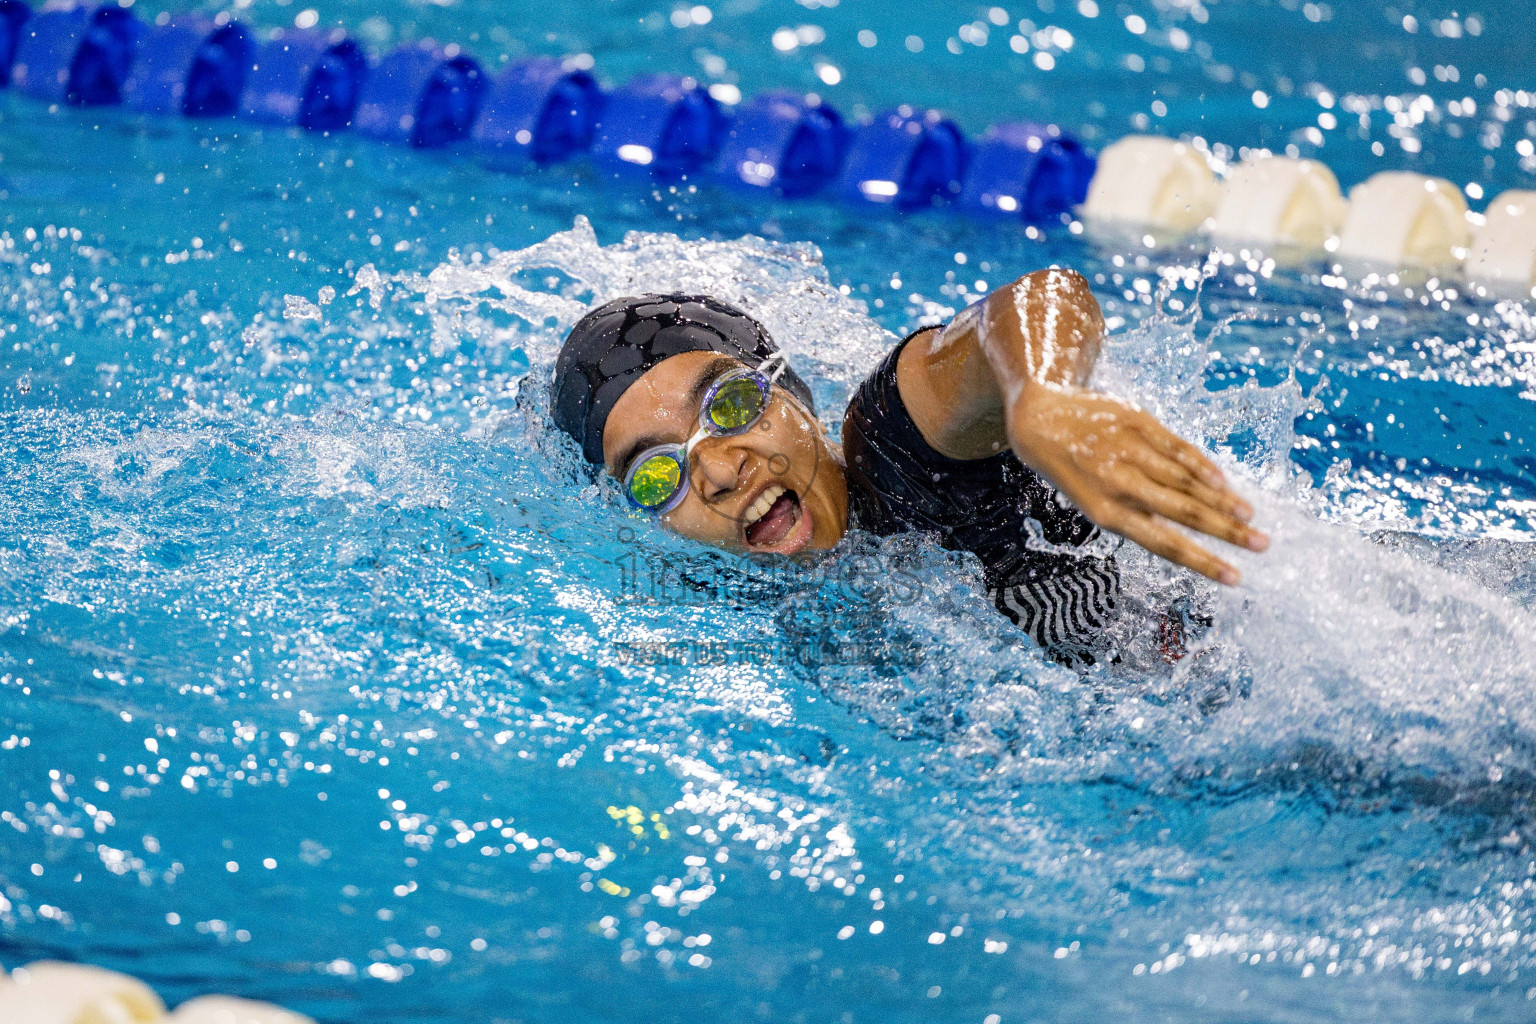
897	483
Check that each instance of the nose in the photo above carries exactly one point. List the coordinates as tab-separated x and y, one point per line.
718	467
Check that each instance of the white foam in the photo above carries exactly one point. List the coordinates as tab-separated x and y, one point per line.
552	283
1349	644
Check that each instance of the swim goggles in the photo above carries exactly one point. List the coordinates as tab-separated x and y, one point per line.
657	480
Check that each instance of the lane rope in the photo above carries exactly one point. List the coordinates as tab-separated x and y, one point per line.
546	110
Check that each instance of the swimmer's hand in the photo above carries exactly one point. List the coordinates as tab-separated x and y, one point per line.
1130	474
1013	369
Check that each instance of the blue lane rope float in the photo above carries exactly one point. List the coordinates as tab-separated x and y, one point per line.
1027	170
905	158
538	111
305	77
13	15
78	56
191	66
782	141
421	96
665	124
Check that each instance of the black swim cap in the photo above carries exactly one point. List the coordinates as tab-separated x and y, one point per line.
613	345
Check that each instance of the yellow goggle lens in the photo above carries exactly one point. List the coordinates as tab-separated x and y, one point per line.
655	480
736	404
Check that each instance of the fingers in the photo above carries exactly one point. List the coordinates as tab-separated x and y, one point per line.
1146	508
1180	451
1169	473
1130	474
1185	510
1166	542
1169	489
1148	486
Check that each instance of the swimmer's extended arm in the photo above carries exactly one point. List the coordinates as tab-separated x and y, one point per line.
1012	371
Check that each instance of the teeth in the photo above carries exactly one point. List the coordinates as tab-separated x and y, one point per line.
763	503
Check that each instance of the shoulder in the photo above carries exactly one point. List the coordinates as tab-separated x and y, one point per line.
896	479
877	440
877	408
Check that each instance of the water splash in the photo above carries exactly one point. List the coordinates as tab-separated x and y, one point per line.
553	283
337	540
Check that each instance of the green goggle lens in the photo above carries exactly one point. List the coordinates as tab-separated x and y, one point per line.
655	480
736	404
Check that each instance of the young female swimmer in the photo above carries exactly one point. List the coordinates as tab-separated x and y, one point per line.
983	433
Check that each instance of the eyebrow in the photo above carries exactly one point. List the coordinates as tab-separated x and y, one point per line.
706	376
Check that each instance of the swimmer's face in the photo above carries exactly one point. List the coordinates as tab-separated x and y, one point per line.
776	489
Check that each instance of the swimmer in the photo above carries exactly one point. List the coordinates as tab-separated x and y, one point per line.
982	433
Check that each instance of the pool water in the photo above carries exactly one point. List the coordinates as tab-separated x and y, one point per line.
328	676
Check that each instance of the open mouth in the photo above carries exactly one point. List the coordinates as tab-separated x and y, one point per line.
774	519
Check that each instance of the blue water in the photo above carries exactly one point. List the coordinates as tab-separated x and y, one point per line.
328	677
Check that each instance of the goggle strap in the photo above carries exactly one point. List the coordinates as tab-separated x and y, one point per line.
778	371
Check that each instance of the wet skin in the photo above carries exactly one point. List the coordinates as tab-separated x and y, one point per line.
1012	373
727	475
